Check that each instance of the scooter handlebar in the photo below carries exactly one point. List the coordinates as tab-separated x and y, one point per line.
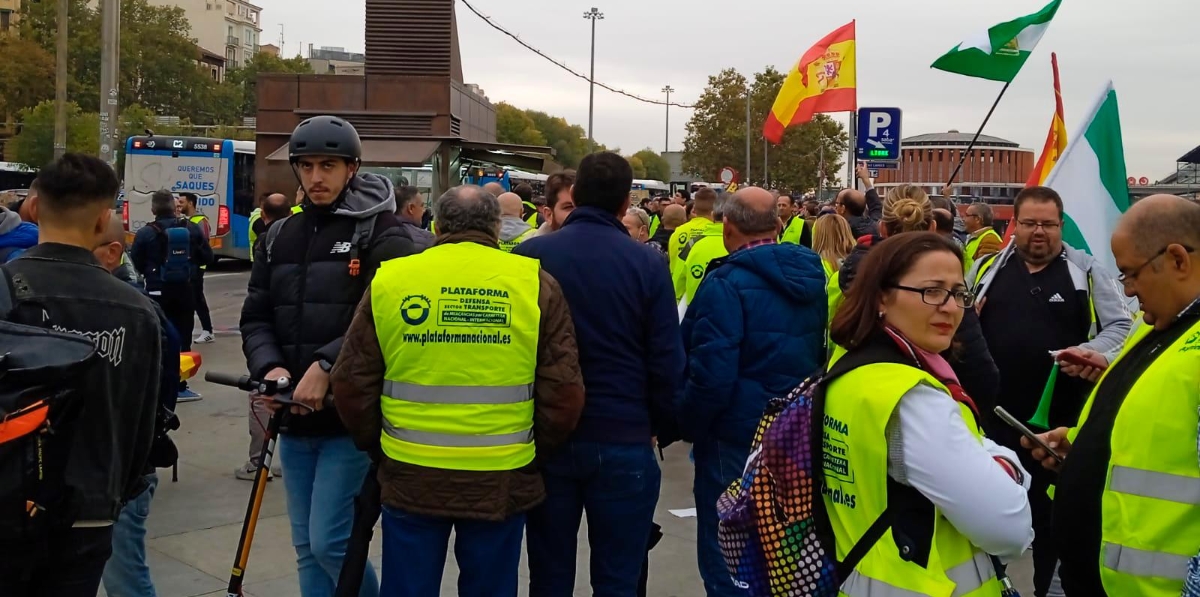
274	387
241	382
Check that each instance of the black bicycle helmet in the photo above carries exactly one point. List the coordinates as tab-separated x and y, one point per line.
325	135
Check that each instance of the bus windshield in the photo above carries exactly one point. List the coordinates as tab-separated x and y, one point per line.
220	172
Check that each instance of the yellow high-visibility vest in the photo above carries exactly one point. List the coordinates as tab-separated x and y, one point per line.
858	406
199	219
794	231
973	245
458	326
1150	509
710	245
680	238
508	245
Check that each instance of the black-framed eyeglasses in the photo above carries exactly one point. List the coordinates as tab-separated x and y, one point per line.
1128	278
1047	226
938	297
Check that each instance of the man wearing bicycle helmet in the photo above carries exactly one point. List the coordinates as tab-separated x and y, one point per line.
309	274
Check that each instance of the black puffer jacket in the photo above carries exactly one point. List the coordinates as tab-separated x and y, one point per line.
301	299
970	357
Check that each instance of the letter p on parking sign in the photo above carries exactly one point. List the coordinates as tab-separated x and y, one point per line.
878	134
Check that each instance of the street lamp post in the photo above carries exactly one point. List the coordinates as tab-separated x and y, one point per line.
593	15
110	36
667	136
60	81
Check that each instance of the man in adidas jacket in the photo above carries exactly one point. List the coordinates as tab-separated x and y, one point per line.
1036	296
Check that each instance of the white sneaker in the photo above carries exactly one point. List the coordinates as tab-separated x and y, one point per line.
205	337
247	471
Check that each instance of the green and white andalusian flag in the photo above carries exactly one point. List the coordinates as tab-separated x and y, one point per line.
1000	52
1090	177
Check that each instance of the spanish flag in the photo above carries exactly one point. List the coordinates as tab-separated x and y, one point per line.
1056	140
822	81
1056	144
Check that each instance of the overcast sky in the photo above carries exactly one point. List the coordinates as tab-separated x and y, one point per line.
1149	48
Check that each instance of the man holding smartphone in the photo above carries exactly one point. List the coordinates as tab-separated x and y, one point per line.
1035	297
1126	512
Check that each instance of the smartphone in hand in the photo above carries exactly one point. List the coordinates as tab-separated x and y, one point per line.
1015	424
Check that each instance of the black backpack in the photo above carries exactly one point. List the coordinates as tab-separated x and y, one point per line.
39	401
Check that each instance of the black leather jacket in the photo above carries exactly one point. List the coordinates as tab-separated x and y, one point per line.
64	288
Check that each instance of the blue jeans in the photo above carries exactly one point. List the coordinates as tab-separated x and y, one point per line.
617	485
126	573
414	555
322	476
717	465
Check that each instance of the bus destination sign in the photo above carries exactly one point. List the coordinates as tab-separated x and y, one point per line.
177	144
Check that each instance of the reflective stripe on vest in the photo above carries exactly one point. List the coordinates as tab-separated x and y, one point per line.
458	327
858	406
972	574
452	440
1149	510
861	585
458	394
967	577
1163	486
1137	562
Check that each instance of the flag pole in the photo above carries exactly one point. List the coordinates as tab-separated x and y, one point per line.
851	158
851	180
971	145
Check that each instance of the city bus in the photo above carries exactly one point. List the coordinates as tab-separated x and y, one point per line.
219	171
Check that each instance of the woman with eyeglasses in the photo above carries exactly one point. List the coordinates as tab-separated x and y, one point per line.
902	442
907	208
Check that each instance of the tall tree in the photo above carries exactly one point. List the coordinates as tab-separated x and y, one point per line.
716	136
568	140
245	79
639	169
25	81
513	125
159	67
657	167
34	145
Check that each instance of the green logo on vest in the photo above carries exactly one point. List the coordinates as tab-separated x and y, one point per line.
697	271
1191	344
414	309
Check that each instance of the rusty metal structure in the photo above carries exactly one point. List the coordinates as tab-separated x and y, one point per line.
411	107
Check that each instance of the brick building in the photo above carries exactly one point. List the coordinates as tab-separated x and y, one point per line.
994	171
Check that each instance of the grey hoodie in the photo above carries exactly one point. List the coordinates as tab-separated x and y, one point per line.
511	227
1112	310
367	195
9	220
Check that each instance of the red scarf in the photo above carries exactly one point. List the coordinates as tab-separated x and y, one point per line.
934	364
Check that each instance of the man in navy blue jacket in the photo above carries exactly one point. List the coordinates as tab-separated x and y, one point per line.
623	306
755	330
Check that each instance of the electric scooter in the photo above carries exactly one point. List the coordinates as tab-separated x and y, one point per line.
278	391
